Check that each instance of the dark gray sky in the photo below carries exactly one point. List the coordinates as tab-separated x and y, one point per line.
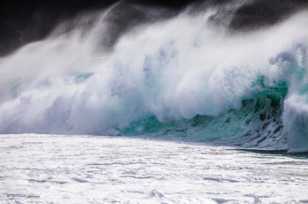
23	21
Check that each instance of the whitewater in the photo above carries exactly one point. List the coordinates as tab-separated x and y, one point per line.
178	110
88	169
166	75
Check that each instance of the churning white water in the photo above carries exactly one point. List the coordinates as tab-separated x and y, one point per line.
176	69
81	169
185	77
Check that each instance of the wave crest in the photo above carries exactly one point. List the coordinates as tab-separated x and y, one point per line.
183	77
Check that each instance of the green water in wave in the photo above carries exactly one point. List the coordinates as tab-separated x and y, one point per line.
262	107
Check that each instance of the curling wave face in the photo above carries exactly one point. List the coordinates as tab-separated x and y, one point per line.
185	77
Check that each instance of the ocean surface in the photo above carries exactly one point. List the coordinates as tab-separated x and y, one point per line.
87	169
187	77
186	108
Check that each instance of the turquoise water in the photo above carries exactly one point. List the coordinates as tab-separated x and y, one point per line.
263	108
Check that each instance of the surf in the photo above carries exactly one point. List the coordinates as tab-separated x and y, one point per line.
187	77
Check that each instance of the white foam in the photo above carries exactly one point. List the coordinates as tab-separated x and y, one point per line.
173	69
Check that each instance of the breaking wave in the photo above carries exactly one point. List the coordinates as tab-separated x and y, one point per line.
187	77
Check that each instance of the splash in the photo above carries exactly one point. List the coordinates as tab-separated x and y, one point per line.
186	77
